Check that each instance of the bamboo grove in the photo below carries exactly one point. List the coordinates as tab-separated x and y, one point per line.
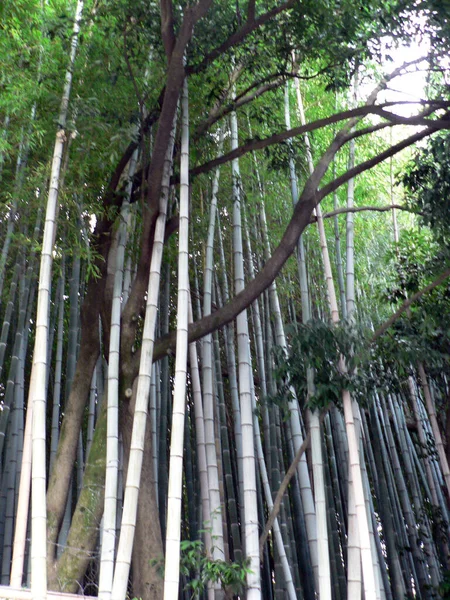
224	352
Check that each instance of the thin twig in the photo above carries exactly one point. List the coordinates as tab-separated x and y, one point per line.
279	497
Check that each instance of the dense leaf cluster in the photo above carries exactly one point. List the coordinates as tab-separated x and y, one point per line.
427	181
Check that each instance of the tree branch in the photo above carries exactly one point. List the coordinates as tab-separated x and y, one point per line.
251	11
360	111
407	303
222	111
368	164
167	31
355	209
301	217
240	35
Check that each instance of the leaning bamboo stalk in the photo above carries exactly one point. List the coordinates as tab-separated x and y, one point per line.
422	438
435	426
125	547
174	502
268	497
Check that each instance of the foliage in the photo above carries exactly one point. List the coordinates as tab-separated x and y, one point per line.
382	366
427	181
119	77
200	569
319	346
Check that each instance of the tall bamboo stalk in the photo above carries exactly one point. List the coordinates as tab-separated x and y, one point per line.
37	392
248	451
123	560
172	563
215	498
112	439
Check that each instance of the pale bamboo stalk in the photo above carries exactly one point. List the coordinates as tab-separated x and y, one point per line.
154	423
112	427
248	454
295	421
125	547
350	246
256	314
229	335
324	578
174	503
230	490
200	442
164	404
338	253
215	497
391	182
37	392
234	507
370	579
258	339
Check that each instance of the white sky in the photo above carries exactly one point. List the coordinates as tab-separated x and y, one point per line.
408	87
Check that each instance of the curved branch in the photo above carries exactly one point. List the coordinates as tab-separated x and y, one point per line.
368	164
360	111
355	209
301	217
